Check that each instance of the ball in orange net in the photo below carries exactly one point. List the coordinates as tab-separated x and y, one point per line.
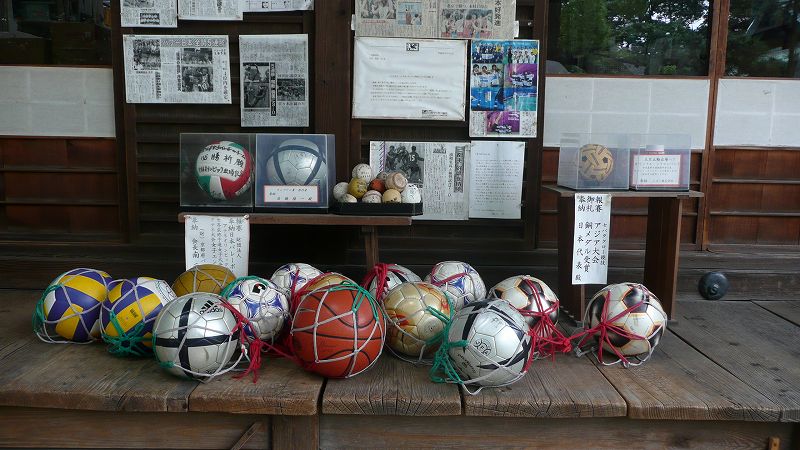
338	331
203	278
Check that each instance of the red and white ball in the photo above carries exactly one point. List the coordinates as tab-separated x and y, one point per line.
224	170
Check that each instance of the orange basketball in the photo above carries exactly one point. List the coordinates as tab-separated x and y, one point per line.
338	331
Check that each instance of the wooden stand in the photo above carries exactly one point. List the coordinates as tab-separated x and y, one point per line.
662	249
369	225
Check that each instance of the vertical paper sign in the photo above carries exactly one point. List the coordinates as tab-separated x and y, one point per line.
223	240
590	245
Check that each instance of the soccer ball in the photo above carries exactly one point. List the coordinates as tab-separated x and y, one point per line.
498	343
224	170
393	275
297	162
459	280
645	319
290	278
262	303
194	336
203	278
71	308
411	325
127	315
596	162
529	295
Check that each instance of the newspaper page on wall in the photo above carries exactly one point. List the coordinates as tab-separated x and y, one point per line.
149	13
274	87
210	9
440	169
449	19
409	79
277	5
504	80
177	69
496	179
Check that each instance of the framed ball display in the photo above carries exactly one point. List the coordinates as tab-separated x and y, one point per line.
217	171
294	171
594	161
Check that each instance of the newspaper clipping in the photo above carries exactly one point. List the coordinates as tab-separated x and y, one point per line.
210	9
149	13
449	19
274	87
177	69
440	169
504	79
409	79
278	5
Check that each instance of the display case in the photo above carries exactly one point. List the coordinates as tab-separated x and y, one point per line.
661	162
594	161
217	172
294	172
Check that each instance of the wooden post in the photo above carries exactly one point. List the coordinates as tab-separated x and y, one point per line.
371	250
663	249
295	432
570	295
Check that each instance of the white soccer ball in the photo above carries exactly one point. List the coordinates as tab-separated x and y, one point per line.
290	278
263	304
363	171
527	293
340	190
297	162
411	194
395	275
498	343
193	336
459	280
372	197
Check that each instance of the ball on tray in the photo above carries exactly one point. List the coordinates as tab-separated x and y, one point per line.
372	197
363	171
347	198
340	190
411	194
391	196
377	185
396	180
357	187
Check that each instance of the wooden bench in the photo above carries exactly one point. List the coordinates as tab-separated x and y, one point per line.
727	376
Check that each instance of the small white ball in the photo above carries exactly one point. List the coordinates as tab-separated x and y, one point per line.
339	190
363	171
372	197
381	176
411	194
347	198
397	181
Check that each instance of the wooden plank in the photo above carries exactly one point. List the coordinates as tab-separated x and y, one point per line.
18	331
54	428
676	384
751	343
566	387
788	310
311	219
567	192
282	389
391	387
347	432
293	432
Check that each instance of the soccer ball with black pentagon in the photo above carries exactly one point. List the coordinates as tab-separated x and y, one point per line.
498	343
459	280
645	319
523	291
290	278
262	304
194	336
411	324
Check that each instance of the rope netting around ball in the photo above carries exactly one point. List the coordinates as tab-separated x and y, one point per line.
546	337
597	338
127	343
380	273
444	371
361	295
446	281
45	329
196	270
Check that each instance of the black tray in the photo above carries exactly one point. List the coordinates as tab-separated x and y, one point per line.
377	209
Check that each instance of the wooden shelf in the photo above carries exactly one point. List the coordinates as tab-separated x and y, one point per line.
567	192
311	219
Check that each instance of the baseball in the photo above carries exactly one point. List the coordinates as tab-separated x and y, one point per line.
372	197
396	180
391	196
362	171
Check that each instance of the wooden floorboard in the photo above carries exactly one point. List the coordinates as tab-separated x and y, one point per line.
753	344
788	310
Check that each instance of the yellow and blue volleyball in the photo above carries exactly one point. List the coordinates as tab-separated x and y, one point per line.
71	307
127	315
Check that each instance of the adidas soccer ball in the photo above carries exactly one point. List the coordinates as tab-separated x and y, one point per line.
263	304
290	278
224	170
410	321
529	295
498	343
127	315
297	162
395	274
459	280
194	336
646	319
596	162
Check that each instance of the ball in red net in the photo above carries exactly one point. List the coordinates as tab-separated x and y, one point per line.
338	331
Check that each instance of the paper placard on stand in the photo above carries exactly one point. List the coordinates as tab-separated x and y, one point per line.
222	240
592	233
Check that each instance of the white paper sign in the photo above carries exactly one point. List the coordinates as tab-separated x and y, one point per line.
590	244
149	13
223	240
291	194
409	79
496	179
656	170
278	5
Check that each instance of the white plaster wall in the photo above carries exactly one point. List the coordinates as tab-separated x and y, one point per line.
56	101
625	105
758	112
